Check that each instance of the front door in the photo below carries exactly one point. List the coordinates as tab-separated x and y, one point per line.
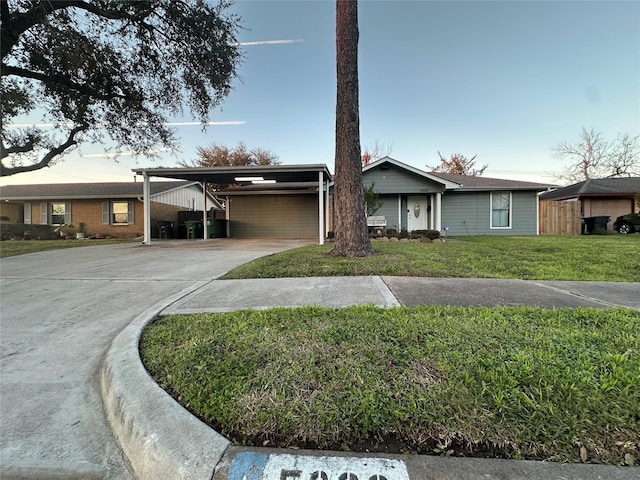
417	215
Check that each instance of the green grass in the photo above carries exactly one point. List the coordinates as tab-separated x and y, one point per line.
521	383
10	248
595	258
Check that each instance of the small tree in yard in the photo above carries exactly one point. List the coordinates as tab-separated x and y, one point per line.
371	200
351	233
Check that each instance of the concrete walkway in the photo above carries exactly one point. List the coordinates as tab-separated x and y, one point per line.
77	403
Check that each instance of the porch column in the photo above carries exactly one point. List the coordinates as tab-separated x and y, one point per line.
321	208
431	212
146	208
204	209
399	213
439	212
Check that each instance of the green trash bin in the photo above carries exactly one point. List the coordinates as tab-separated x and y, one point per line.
194	228
214	228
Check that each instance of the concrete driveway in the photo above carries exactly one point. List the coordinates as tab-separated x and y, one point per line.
59	312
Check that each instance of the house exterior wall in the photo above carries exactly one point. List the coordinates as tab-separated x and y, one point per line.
469	213
188	198
89	212
613	207
12	211
395	180
284	216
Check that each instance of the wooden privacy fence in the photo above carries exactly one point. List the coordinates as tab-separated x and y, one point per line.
559	218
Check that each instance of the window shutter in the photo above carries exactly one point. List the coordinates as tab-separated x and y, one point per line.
105	213
67	213
44	213
130	209
27	213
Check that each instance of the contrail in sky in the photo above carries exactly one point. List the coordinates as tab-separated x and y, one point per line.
169	124
271	42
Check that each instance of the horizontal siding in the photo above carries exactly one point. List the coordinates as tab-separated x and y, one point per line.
182	197
280	216
396	180
469	213
389	209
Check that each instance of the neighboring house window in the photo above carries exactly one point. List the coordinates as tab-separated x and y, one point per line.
27	213
117	213
55	213
501	210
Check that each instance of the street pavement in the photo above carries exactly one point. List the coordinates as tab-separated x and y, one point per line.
77	403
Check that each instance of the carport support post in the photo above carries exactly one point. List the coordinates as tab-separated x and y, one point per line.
146	207
321	207
204	209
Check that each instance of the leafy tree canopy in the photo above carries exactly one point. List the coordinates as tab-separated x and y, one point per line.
103	68
592	156
459	164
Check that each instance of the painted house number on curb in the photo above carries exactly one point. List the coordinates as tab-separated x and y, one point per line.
255	466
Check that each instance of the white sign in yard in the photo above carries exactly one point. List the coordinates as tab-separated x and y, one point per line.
254	466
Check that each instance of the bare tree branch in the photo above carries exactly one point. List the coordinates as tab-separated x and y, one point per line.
48	158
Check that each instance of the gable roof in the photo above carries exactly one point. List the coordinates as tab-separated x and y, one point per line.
609	187
470	183
70	191
449	184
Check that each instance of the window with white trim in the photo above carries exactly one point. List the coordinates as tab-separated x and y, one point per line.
117	213
55	213
501	210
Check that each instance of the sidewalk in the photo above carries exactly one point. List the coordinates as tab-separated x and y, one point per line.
162	440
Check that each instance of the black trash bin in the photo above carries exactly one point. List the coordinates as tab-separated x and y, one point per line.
165	229
591	224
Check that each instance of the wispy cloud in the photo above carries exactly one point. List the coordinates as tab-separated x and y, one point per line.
271	42
126	154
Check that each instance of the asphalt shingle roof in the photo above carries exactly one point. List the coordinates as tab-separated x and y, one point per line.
85	190
596	187
469	182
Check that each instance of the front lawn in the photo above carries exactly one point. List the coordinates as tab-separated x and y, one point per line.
593	257
527	383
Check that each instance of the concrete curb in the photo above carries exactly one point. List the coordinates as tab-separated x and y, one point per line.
159	437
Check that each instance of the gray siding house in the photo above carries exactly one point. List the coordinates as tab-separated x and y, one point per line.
458	204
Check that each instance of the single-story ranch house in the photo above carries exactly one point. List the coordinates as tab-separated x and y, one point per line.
105	209
290	201
457	204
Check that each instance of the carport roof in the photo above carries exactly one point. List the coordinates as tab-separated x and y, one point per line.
227	175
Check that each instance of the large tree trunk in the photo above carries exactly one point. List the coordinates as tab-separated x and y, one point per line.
351	236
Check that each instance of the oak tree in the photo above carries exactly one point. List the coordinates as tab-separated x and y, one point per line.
103	69
351	234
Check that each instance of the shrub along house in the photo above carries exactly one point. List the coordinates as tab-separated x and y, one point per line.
104	209
413	199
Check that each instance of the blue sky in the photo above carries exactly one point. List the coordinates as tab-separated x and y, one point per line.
503	80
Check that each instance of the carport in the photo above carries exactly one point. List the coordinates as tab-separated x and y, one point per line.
251	180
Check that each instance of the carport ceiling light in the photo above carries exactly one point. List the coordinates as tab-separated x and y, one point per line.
248	179
263	181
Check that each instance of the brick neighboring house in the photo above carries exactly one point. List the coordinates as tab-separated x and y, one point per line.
105	209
